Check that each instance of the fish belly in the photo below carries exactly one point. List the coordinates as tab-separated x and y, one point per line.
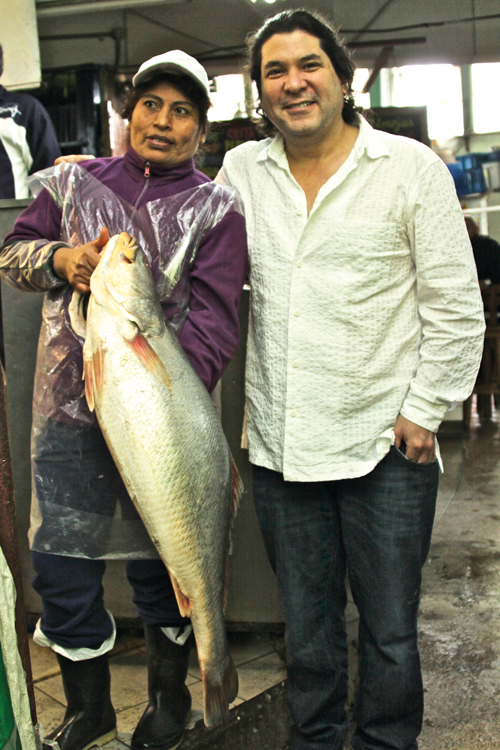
169	447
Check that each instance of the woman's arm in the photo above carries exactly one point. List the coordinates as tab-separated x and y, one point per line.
211	332
26	255
33	258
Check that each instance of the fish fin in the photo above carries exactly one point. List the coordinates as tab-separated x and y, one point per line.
237	489
217	697
150	359
237	492
76	312
92	373
88	376
182	600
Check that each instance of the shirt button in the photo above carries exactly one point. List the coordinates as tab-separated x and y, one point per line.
297	313
296	363
293	413
299	212
299	264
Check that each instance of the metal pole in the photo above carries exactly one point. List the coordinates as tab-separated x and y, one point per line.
10	547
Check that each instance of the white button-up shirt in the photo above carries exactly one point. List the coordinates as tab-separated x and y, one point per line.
367	308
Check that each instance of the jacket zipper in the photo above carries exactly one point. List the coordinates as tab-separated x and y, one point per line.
146	182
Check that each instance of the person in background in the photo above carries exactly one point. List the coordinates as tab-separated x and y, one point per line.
487	257
366	325
28	143
486	252
81	513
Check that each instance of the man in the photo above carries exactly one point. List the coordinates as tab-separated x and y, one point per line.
28	143
486	252
27	140
366	324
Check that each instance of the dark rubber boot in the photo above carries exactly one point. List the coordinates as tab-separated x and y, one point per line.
162	724
90	718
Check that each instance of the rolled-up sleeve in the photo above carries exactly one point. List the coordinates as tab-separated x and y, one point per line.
449	301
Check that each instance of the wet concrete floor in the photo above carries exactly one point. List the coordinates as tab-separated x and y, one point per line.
460	603
459	622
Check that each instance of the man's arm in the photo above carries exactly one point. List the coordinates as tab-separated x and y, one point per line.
450	308
42	139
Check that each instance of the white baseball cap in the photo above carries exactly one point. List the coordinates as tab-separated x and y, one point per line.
175	61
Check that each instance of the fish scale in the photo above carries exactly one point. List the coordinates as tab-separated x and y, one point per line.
164	433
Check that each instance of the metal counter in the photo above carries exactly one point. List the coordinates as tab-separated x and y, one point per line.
253	599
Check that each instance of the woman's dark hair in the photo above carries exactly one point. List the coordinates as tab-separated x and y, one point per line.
186	84
287	22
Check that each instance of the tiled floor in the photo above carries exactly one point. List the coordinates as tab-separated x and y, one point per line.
255	655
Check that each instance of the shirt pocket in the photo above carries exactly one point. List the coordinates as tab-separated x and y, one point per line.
364	258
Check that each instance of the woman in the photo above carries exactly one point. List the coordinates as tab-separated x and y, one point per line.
195	240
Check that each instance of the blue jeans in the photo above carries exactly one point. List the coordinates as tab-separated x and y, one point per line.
379	527
73	614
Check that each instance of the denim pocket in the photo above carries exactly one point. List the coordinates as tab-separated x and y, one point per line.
402	457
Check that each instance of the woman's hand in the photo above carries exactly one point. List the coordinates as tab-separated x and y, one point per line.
76	264
73	159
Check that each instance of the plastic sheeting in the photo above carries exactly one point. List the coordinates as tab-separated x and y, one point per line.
79	504
15	717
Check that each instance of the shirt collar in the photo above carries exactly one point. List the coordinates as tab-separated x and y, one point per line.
368	140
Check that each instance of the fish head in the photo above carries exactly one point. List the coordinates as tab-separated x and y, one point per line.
122	282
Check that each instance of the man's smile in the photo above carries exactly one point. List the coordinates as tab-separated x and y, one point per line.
299	105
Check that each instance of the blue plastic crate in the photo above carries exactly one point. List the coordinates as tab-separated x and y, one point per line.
473	168
473	161
461	182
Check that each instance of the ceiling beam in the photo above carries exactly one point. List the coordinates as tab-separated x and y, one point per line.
46	8
380	62
372	20
388	42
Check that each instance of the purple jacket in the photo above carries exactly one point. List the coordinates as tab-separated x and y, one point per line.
210	333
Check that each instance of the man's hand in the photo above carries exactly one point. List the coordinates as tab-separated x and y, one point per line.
73	159
76	264
420	443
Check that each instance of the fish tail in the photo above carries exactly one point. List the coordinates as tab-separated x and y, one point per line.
217	696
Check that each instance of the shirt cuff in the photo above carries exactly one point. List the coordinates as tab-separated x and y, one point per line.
418	408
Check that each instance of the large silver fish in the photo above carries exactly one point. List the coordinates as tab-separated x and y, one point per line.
165	436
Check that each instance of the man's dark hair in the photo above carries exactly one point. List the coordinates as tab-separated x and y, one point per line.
316	25
189	88
1	60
